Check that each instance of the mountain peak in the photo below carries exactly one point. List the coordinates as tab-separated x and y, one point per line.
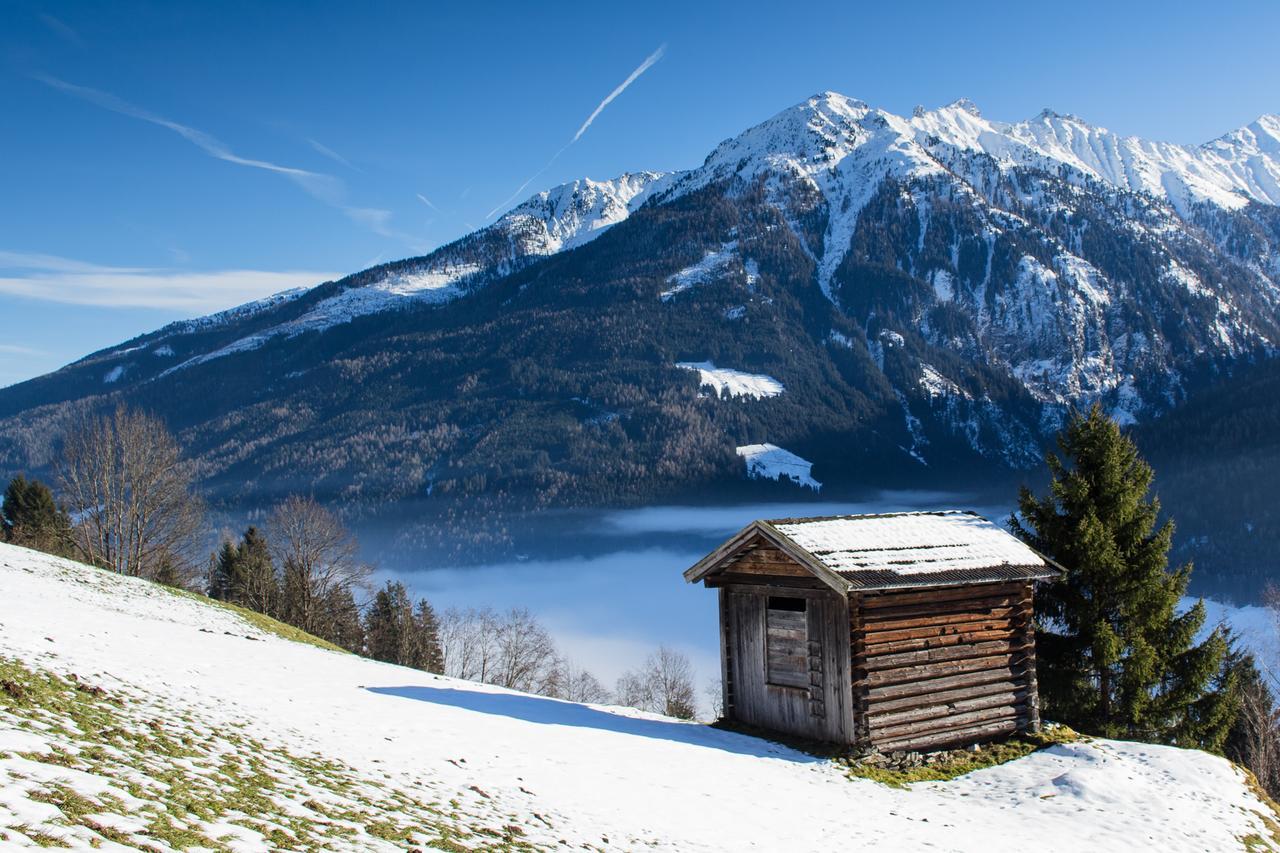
965	105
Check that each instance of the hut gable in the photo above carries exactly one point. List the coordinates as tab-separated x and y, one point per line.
872	552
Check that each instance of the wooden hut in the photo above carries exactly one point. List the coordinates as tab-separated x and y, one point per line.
905	631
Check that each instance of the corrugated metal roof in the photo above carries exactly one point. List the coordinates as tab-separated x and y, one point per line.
914	549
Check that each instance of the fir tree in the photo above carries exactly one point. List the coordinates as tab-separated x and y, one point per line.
430	653
223	570
30	517
254	582
1114	655
389	625
397	632
338	620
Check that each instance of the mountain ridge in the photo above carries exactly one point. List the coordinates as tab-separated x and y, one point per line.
934	293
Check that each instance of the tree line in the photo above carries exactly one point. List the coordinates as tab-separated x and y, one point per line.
126	504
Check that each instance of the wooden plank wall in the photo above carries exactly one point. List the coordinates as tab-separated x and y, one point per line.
819	709
943	667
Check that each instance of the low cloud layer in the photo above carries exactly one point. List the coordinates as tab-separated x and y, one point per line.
55	279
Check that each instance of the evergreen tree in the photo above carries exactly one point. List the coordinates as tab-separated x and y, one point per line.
389	626
338	620
223	569
1114	655
430	653
254	582
168	572
30	517
397	632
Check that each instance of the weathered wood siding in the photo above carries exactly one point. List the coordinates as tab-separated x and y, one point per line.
820	709
943	667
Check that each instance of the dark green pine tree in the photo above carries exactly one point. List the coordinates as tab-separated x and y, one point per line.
430	654
397	632
338	620
31	518
389	626
223	570
254	581
1115	657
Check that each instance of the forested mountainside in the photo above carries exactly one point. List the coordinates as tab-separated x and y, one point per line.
898	301
1218	456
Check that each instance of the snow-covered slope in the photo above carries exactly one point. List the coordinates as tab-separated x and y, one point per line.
575	213
552	221
1228	172
260	742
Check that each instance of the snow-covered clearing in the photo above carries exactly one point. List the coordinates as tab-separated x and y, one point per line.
252	741
738	383
712	265
771	462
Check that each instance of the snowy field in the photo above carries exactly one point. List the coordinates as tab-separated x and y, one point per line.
366	755
736	382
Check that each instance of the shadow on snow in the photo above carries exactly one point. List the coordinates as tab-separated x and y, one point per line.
555	712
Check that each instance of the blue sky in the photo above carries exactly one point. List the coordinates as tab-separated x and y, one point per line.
162	160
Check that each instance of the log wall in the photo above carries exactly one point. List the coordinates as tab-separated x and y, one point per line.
942	667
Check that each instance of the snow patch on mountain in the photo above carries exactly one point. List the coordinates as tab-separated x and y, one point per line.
393	291
232	315
575	213
771	462
937	385
736	383
713	264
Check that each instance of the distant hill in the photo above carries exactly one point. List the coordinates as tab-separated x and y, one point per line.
895	301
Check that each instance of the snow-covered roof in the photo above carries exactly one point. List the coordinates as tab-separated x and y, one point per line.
893	550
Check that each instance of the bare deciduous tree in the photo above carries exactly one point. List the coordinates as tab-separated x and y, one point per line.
469	640
128	490
319	561
664	685
579	685
511	649
1256	741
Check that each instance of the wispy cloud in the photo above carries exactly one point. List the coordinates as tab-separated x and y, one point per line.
64	280
14	349
618	90
331	154
62	29
422	198
323	187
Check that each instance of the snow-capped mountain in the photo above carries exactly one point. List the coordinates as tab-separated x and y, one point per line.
933	291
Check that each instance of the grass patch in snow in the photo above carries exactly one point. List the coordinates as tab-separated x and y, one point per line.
261	621
116	766
1271	820
954	763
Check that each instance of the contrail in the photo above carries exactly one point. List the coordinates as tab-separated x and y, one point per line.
325	188
208	144
422	198
622	87
644	66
